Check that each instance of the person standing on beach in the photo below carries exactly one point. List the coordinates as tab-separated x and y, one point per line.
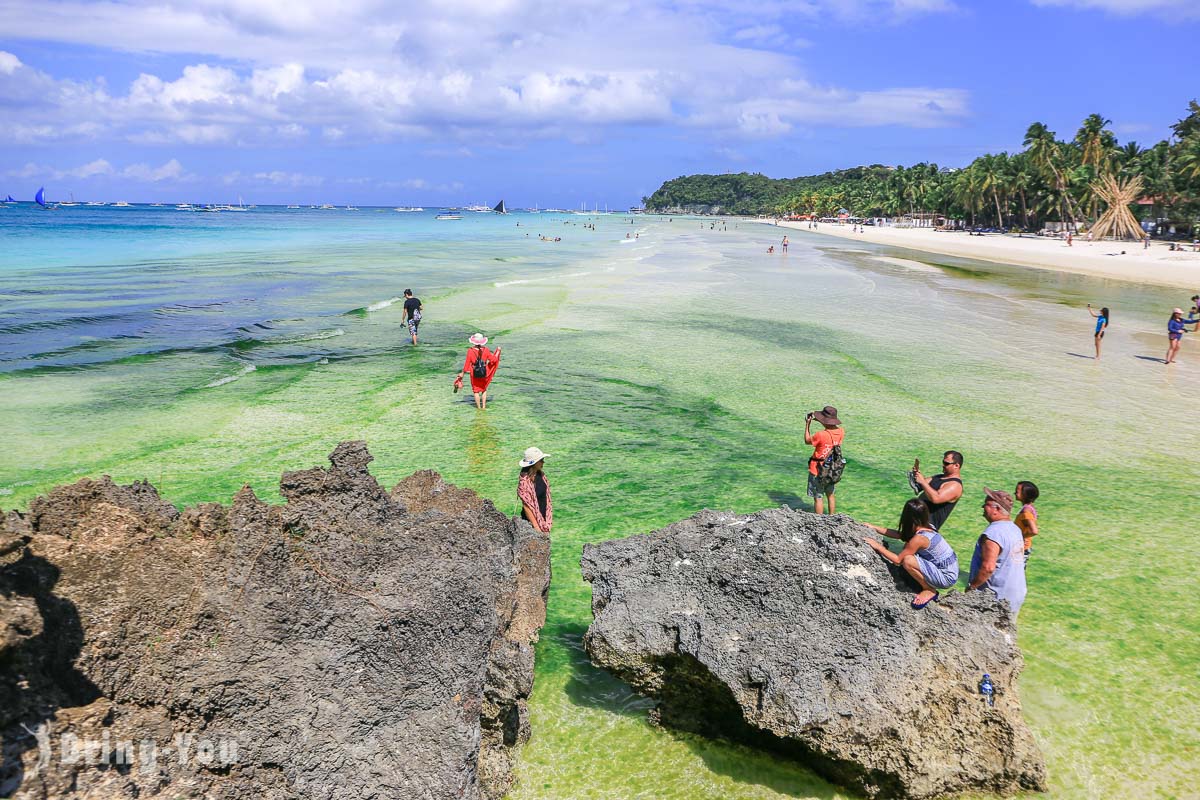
943	491
481	365
1101	324
412	314
785	244
533	489
823	442
999	561
1070	238
1176	328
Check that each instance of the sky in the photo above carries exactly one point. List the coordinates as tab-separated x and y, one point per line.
552	103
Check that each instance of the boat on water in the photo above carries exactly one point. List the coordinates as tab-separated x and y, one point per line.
408	209
326	207
448	216
352	208
9	199
478	209
499	208
40	199
96	203
69	203
292	207
184	207
121	204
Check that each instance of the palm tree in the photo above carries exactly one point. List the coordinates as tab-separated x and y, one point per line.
993	174
1046	155
1096	143
1097	149
1187	161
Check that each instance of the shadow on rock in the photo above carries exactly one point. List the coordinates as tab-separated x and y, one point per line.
40	638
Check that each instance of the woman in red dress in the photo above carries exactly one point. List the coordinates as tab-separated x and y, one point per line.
477	353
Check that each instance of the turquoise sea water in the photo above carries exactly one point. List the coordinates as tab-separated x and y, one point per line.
664	375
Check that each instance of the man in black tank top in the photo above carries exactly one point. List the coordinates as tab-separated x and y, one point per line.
942	492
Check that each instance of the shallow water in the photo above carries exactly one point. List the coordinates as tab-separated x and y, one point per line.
664	376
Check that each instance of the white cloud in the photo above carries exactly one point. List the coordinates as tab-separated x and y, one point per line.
1176	8
376	71
100	168
172	170
8	62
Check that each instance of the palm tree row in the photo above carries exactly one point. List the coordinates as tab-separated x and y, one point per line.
1051	180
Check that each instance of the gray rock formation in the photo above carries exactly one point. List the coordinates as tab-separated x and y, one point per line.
783	629
351	643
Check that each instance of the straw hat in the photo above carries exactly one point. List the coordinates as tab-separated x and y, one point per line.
1177	311
478	338
1002	499
532	456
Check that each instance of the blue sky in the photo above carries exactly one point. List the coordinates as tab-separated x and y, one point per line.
553	103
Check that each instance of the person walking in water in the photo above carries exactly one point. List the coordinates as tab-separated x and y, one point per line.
785	244
823	442
533	489
481	365
999	559
1101	324
1176	328
926	556
412	313
942	492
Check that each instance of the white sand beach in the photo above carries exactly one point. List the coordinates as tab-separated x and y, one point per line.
1156	265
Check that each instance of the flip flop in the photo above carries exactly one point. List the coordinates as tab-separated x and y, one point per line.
934	599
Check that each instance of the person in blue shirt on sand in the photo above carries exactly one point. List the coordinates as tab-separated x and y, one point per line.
998	563
1101	324
926	556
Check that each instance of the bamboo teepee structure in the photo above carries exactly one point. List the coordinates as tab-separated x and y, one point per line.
1117	220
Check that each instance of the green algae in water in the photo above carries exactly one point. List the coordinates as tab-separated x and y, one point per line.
676	378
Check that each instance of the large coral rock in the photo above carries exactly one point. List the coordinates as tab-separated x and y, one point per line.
785	630
352	643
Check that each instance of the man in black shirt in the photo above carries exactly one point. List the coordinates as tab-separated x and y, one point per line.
412	313
942	492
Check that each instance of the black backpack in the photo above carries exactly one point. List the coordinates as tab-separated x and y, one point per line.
479	369
830	470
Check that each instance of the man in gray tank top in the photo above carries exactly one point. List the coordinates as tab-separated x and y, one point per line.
999	560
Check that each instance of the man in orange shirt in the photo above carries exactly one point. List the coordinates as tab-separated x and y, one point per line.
822	442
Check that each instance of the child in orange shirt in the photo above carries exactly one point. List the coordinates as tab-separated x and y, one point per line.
1027	493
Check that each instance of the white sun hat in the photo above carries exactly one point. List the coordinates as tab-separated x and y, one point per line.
532	456
477	338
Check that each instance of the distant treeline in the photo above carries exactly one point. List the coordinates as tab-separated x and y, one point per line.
1051	180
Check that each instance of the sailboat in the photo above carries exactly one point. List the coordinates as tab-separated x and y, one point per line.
499	208
71	203
40	199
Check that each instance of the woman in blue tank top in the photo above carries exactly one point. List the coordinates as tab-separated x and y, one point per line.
926	556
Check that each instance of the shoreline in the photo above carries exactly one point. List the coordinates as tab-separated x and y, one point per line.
1157	265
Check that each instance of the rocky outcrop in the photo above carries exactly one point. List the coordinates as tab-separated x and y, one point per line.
351	643
783	629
